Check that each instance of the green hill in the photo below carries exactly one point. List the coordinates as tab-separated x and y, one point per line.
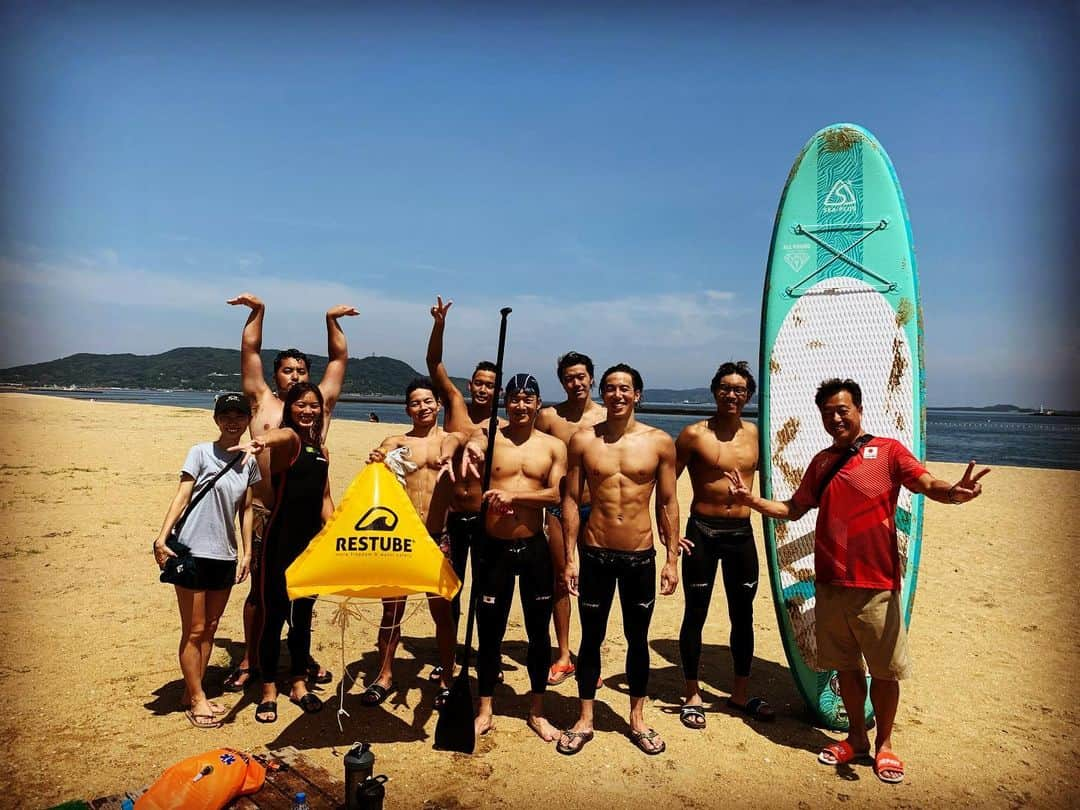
199	368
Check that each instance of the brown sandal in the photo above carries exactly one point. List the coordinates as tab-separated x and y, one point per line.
644	741
577	741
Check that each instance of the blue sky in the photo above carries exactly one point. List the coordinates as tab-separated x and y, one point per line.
610	173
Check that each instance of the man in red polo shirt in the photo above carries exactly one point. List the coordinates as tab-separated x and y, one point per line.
857	565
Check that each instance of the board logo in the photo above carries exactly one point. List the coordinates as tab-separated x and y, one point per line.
840	196
796	261
377	519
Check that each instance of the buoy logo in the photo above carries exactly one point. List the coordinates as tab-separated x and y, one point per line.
377	519
797	261
841	195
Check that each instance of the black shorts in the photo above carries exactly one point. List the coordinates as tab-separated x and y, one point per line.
214	575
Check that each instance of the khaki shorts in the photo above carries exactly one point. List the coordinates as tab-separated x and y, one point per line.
258	530
858	623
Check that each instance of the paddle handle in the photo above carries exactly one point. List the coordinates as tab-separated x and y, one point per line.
489	454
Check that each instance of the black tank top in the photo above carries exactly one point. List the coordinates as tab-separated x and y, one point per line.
298	512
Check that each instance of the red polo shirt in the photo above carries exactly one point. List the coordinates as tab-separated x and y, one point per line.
855	540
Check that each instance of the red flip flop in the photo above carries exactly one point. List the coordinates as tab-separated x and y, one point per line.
840	753
888	761
559	673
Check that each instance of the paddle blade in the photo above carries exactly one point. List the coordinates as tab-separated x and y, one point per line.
455	731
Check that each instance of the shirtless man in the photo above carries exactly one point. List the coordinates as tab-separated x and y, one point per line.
718	532
463	520
419	466
290	367
526	476
622	461
575	372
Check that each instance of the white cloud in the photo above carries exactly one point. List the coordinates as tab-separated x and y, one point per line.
676	339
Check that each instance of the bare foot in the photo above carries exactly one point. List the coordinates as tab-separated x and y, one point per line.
216	708
482	724
544	729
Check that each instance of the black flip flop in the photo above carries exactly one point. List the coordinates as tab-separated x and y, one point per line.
309	703
756	708
376	694
692	717
266	707
574	746
232	682
313	675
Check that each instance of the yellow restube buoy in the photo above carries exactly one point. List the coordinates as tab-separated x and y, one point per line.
375	545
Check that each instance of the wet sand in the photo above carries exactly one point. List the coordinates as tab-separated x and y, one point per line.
91	682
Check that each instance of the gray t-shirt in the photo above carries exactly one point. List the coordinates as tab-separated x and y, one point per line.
210	530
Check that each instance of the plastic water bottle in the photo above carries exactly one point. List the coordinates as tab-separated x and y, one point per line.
300	802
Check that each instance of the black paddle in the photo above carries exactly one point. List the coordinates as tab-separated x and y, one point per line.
455	730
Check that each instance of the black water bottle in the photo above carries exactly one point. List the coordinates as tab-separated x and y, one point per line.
370	794
359	763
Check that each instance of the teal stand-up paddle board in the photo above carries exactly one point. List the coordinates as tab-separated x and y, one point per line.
841	300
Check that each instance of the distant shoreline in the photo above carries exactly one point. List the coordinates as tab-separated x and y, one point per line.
680	408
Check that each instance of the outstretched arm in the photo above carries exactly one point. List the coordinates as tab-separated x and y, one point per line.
966	489
455	402
252	381
780	510
337	349
283	444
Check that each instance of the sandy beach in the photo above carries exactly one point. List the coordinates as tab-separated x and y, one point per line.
92	685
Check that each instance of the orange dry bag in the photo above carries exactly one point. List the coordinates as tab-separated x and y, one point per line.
209	781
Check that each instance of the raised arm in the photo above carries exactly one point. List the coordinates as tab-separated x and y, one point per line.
452	397
337	350
252	381
667	515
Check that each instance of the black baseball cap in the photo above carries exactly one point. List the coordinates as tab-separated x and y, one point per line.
232	402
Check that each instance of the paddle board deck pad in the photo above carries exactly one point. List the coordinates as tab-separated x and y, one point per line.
841	300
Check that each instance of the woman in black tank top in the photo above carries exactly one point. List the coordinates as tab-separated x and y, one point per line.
299	466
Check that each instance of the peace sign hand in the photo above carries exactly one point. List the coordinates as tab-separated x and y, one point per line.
438	312
738	491
968	487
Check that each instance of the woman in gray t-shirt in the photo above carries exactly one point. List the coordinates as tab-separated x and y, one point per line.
222	557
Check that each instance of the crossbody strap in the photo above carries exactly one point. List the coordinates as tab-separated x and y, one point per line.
202	493
846	456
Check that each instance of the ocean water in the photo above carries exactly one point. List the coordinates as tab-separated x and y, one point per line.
1017	440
